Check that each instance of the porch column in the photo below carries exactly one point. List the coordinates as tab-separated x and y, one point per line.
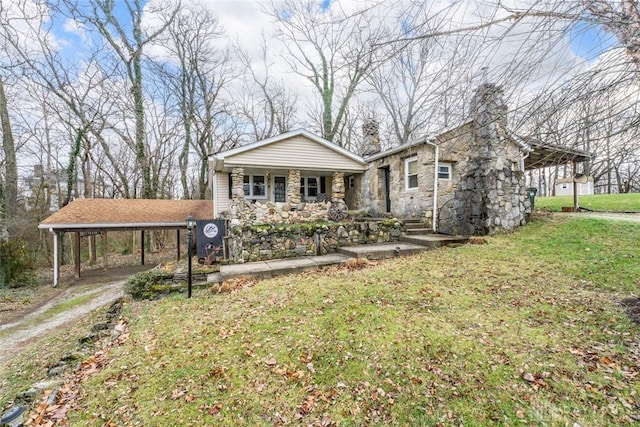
237	192
237	182
337	186
293	187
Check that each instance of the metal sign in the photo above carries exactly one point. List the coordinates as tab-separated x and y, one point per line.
209	240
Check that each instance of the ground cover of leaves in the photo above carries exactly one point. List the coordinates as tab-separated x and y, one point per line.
526	329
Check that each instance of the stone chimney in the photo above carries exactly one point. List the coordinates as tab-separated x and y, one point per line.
489	113
491	194
371	137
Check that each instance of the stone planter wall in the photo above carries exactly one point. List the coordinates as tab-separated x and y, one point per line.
272	241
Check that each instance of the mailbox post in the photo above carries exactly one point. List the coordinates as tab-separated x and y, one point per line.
191	223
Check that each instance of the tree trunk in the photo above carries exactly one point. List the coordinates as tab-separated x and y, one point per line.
10	190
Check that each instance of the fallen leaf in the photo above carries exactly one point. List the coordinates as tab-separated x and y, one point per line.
271	361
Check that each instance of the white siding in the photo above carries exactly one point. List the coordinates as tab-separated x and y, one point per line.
297	152
221	188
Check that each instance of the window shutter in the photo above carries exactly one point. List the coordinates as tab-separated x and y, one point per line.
230	185
323	184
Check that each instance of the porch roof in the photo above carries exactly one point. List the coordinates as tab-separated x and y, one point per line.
298	149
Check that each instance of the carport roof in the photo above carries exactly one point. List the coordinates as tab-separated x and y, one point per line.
545	155
126	214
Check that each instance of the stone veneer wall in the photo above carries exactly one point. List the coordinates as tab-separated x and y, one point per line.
406	204
271	241
263	212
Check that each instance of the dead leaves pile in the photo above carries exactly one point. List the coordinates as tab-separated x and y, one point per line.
233	285
55	405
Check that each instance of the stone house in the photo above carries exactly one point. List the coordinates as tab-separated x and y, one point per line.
467	180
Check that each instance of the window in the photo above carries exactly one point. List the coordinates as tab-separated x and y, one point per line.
411	173
309	187
254	187
444	171
352	181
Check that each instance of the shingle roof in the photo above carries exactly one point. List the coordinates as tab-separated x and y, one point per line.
132	213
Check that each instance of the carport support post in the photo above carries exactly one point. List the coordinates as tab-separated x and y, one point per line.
104	250
177	245
76	253
575	187
141	247
56	260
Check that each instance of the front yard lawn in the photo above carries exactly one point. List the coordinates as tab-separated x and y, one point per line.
526	329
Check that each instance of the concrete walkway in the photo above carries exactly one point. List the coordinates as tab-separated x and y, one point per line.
277	267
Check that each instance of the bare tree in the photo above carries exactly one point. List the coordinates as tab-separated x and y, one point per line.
127	38
268	106
331	49
10	186
198	72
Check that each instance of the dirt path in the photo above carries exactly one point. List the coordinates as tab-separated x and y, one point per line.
37	323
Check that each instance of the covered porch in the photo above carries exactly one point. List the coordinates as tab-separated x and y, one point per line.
284	173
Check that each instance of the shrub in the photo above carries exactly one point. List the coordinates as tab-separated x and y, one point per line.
148	285
16	264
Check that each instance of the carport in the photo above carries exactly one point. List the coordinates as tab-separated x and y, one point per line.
543	155
85	217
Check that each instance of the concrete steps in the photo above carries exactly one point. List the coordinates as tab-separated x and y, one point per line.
416	233
381	250
432	240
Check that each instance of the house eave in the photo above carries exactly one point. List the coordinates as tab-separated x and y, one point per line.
108	226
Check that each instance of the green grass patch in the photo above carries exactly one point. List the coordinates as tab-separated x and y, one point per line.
526	329
629	202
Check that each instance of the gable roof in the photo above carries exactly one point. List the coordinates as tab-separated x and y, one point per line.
297	148
433	139
126	214
430	139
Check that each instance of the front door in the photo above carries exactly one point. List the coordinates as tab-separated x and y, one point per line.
279	189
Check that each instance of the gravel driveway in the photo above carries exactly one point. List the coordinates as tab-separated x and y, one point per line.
34	325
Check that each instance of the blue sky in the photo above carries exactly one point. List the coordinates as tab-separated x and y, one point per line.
589	41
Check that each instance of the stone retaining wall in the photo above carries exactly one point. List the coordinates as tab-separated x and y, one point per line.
272	241
260	213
